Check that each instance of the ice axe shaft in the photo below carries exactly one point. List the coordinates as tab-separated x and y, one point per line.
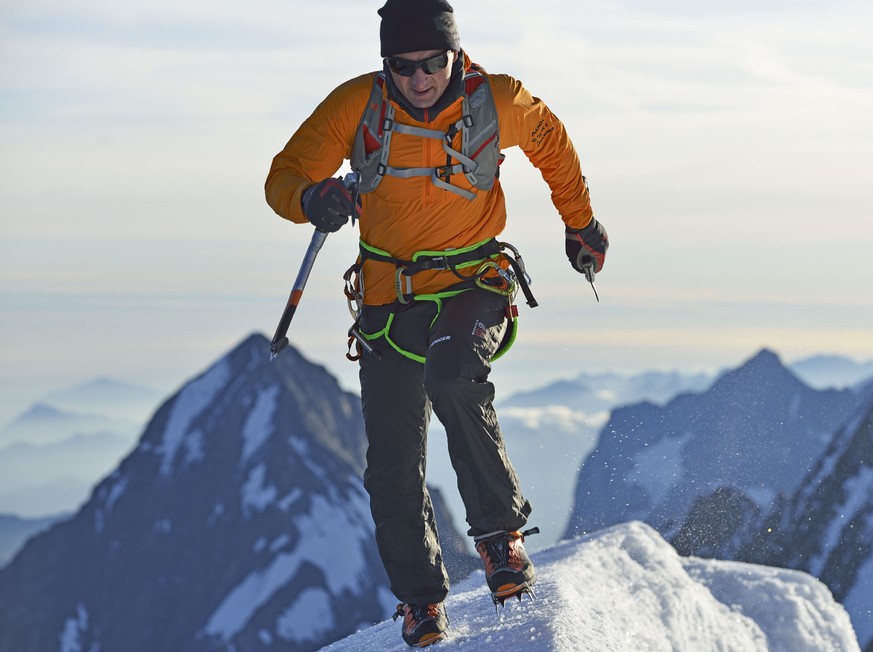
280	339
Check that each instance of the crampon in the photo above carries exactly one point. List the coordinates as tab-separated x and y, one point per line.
506	591
508	570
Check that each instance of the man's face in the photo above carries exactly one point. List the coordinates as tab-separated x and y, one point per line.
422	90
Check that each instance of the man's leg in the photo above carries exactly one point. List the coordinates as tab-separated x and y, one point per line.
396	414
462	341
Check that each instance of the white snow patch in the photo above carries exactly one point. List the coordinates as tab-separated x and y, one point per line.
70	637
190	403
109	497
280	542
624	589
791	607
266	636
259	425
195	447
339	533
859	490
217	512
763	497
658	468
301	450
310	617
256	494
288	501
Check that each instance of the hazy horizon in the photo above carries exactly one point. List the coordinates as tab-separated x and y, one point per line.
727	148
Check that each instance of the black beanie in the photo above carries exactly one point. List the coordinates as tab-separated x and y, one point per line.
416	26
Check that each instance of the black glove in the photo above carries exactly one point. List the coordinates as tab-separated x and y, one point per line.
328	205
587	247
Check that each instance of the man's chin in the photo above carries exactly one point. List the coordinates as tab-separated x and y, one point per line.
424	101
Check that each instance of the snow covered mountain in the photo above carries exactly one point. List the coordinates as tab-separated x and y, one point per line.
239	521
751	436
625	589
826	527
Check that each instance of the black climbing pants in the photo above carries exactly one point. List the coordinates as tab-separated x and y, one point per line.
397	395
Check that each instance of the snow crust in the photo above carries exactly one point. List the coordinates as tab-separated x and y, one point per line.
625	589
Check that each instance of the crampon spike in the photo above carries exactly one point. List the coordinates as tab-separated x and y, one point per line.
500	596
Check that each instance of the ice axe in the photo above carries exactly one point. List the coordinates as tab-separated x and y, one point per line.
280	339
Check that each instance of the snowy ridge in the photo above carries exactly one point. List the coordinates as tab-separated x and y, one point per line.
624	589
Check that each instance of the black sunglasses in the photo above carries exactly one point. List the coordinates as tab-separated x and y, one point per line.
406	68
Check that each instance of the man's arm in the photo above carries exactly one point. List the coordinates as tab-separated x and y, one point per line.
317	149
527	122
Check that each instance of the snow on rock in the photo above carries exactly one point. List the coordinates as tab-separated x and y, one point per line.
325	528
74	628
190	403
625	589
259	425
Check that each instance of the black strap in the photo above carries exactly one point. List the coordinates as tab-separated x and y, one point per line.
448	260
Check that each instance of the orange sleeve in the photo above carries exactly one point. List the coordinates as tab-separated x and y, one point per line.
527	122
318	147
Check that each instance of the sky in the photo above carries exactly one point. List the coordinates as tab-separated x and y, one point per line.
624	588
727	146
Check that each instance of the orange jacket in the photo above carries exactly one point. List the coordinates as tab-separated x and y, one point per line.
403	216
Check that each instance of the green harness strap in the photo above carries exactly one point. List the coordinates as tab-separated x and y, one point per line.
482	255
505	345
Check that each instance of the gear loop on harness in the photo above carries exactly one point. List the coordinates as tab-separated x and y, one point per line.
488	275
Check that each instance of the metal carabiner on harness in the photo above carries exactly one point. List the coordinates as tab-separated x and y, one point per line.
518	259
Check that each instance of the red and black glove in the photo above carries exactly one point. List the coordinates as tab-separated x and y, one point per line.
587	247
328	205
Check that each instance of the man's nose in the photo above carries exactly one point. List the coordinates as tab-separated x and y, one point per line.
419	77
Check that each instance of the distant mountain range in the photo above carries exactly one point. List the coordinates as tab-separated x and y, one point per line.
239	521
52	453
244	488
823	371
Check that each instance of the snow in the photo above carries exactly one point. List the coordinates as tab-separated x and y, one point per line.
859	490
110	496
255	493
625	589
259	423
74	627
336	532
196	397
311	616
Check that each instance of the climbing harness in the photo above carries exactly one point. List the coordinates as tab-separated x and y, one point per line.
483	258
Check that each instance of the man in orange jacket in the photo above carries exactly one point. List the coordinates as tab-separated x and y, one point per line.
434	286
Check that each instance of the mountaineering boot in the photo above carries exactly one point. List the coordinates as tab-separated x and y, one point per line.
508	570
423	624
